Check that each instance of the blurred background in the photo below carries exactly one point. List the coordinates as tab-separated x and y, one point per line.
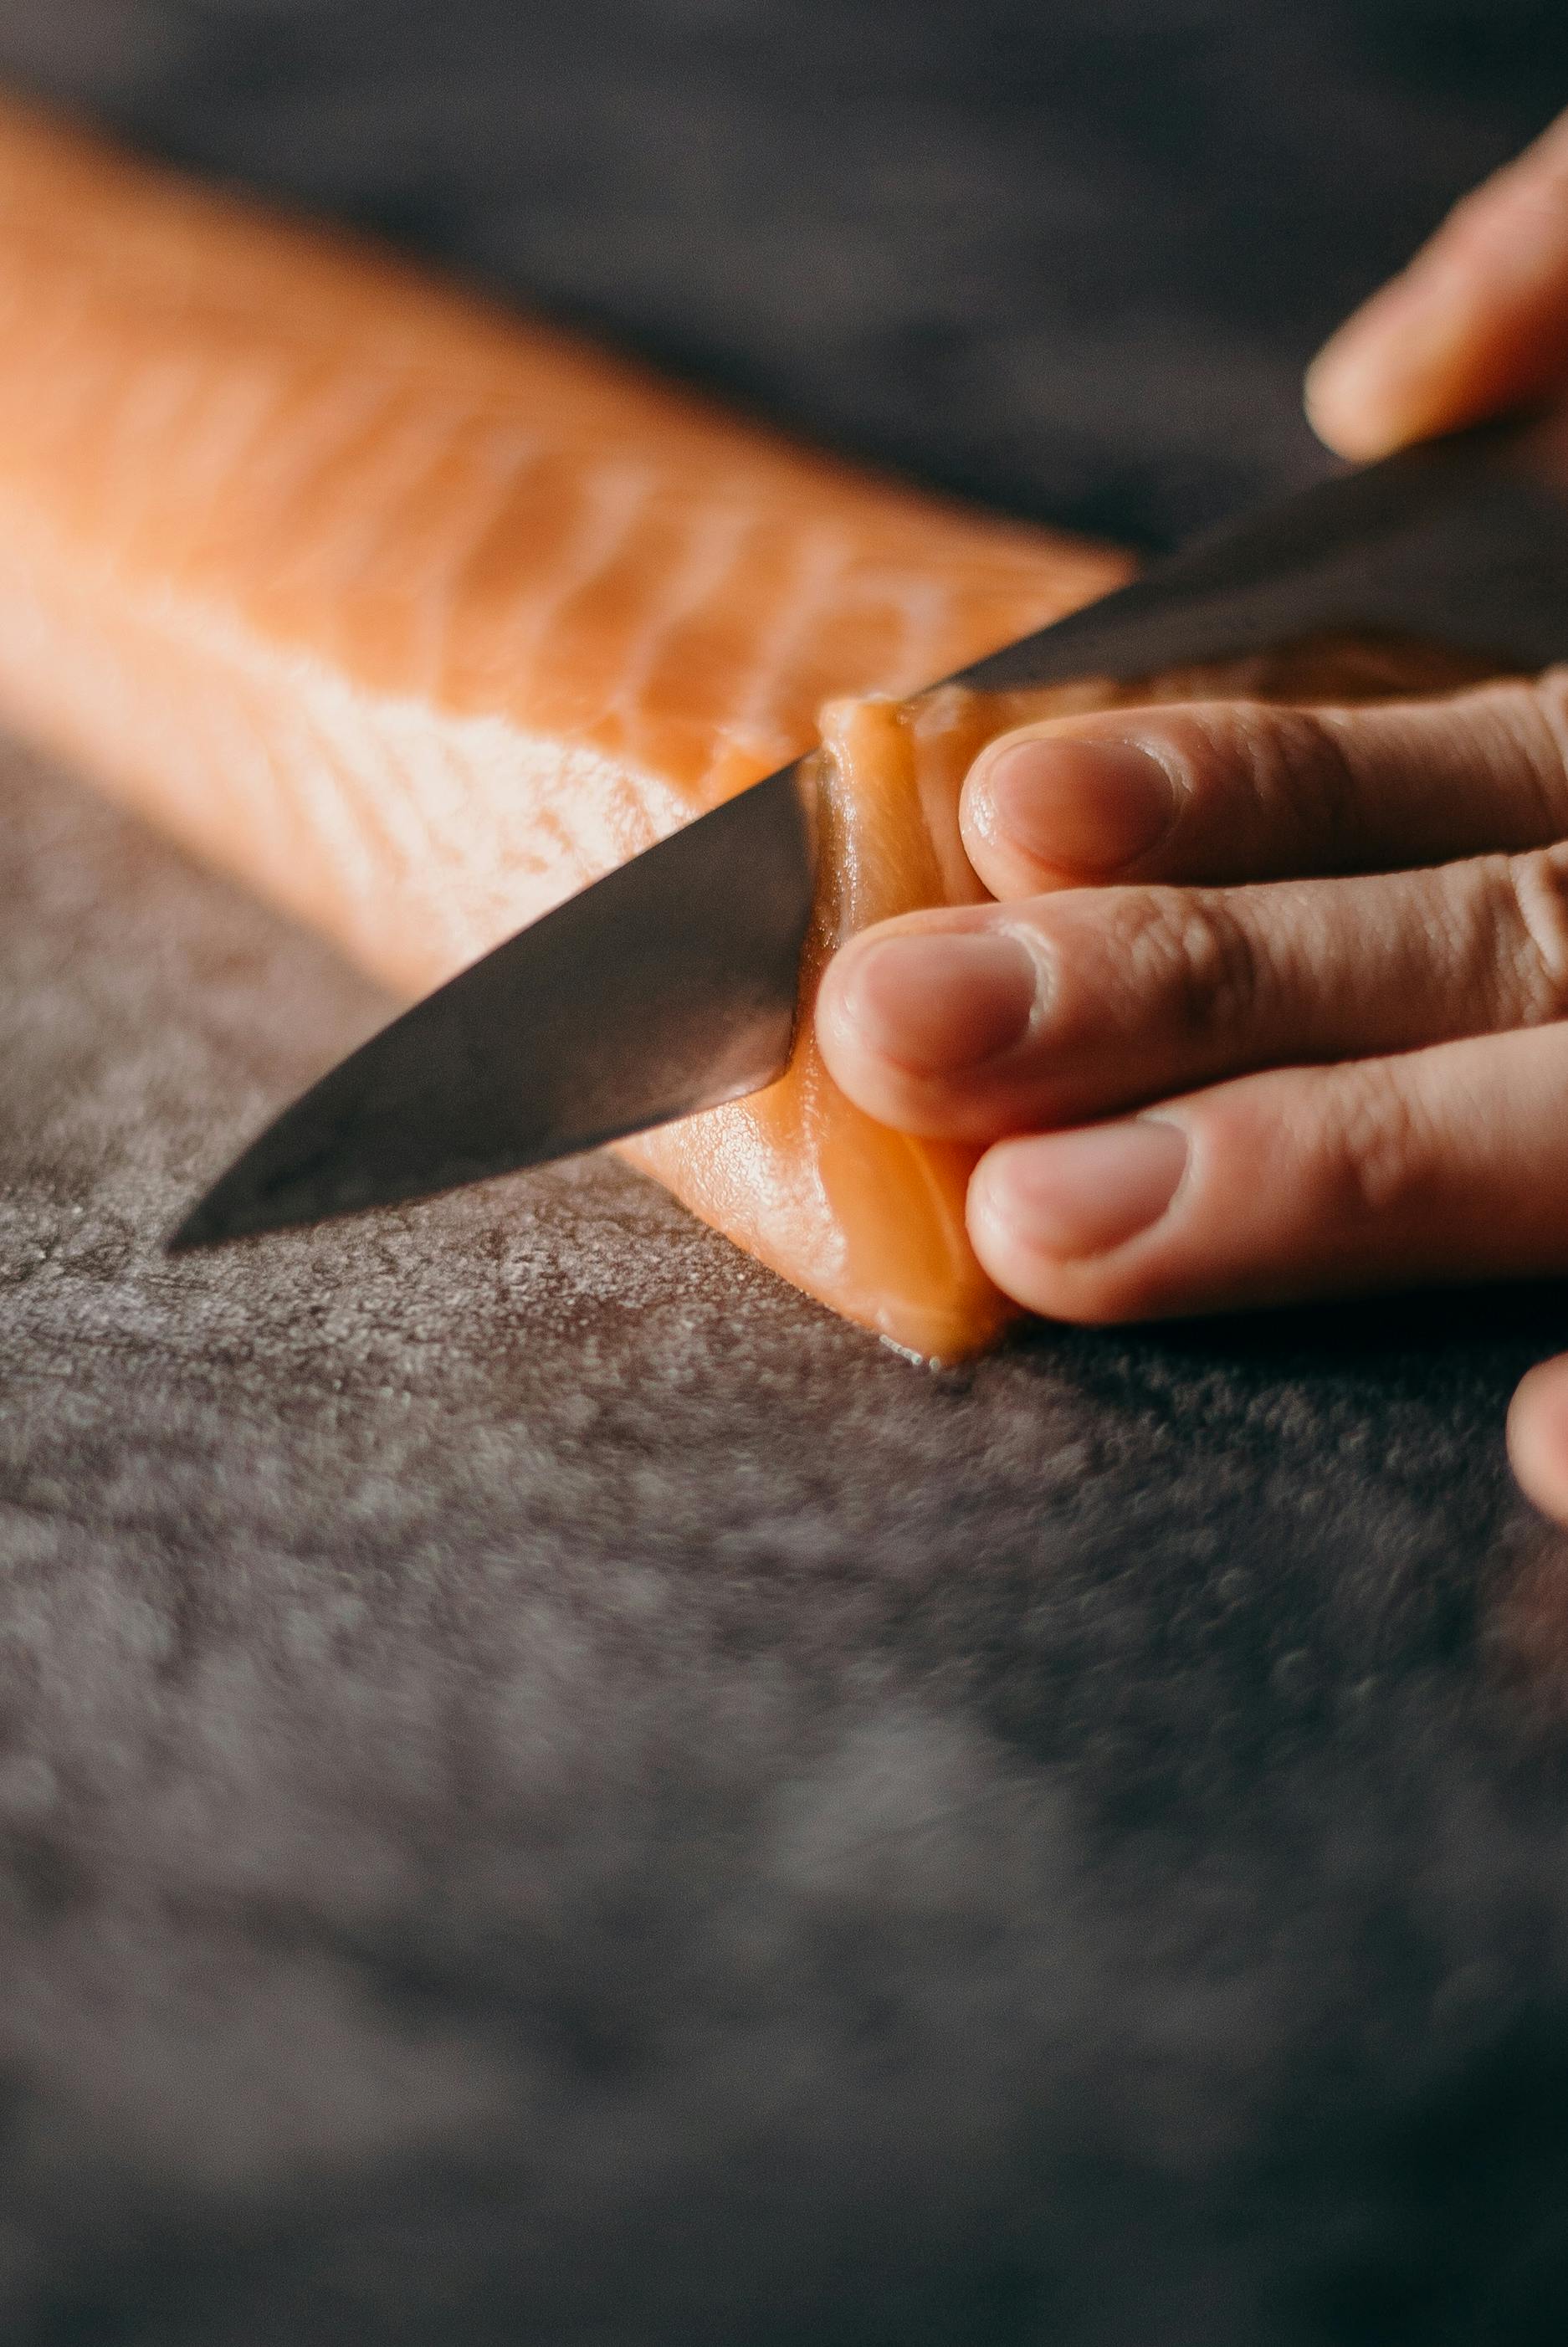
1067	255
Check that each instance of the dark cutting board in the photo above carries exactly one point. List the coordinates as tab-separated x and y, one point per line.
549	1790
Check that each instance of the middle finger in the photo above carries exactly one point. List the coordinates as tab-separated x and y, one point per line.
987	1020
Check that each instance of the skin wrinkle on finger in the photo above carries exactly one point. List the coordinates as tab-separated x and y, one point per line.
1225	982
1499	755
1538	893
1307	774
1548	698
1296	764
1380	1153
1524	754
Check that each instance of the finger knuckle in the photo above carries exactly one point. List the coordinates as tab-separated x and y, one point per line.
1175	960
1531	934
1309	775
1187	954
1520	734
1298	766
1379	1150
1547	714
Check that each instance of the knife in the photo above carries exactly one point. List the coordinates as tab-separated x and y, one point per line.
673	984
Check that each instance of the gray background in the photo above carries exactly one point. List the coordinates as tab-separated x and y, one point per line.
550	1791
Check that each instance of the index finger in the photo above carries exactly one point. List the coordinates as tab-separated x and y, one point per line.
1477	324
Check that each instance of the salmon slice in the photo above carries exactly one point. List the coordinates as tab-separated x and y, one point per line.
418	618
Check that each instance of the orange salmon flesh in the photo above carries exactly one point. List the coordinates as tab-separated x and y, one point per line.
418	618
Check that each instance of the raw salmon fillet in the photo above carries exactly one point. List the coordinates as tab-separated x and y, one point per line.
418	618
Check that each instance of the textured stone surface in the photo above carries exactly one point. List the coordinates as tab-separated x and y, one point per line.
550	1791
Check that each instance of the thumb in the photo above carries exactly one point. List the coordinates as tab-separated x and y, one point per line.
1478	322
1538	1436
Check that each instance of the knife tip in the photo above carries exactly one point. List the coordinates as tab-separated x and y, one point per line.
231	1209
204	1226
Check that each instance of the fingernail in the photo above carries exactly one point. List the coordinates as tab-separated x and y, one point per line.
941	1002
1079	1194
1086	806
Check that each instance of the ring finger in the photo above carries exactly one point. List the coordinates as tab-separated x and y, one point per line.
1304	1182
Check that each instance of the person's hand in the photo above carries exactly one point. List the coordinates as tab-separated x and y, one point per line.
1478	323
1272	1002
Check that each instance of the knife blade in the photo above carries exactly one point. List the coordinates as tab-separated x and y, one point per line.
664	984
672	985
